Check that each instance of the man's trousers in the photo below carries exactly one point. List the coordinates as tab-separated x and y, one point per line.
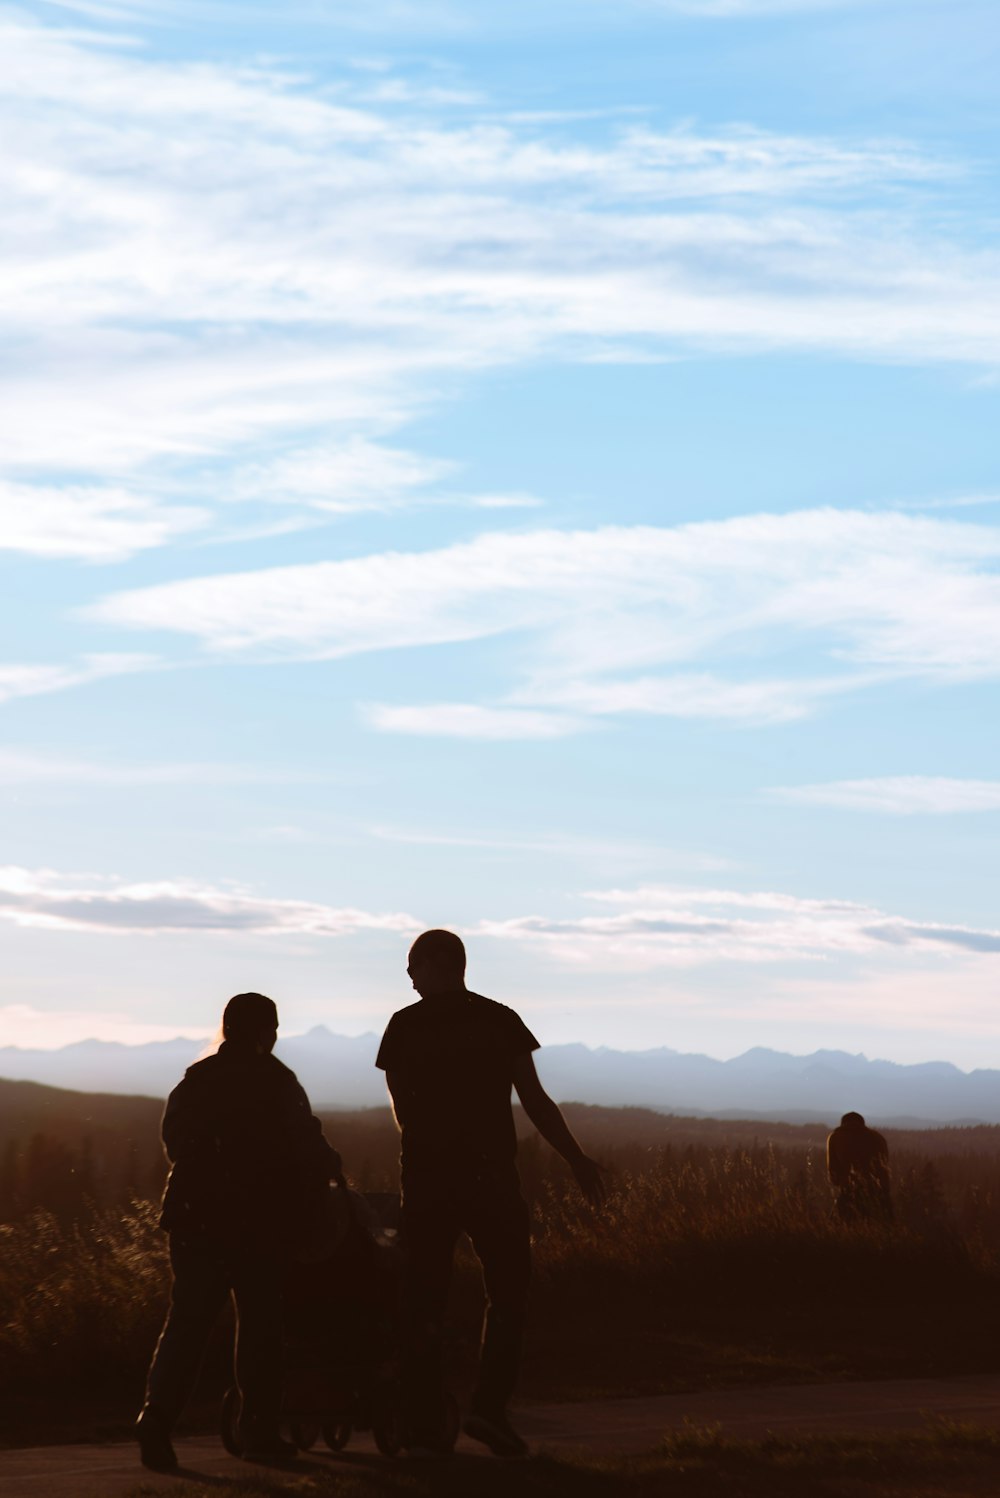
435	1212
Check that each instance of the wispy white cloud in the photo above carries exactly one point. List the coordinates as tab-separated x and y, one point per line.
583	704
357	474
283	834
899	795
688	621
722	10
466	720
697	695
450	17
106	10
23	767
42	898
97	524
396	90
952	502
352	476
655	926
499	501
183	239
32	680
559	846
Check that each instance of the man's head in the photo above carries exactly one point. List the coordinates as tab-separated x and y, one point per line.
250	1022
436	963
852	1121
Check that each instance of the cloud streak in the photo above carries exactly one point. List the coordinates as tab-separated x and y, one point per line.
640	929
44	899
685	622
898	795
657	927
34	679
21	767
468	721
357	474
734	10
93	523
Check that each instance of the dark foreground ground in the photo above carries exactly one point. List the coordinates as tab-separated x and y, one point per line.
912	1438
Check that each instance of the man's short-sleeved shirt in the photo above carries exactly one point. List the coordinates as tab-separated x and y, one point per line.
452	1062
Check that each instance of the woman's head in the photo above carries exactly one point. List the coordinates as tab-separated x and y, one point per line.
250	1022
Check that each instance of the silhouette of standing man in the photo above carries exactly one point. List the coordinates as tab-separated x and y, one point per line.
450	1061
857	1162
249	1172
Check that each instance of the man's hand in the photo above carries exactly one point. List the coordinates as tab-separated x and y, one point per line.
548	1120
590	1180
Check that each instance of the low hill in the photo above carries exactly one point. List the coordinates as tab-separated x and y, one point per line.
28	1108
60	1148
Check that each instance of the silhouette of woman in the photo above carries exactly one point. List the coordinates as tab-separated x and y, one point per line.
249	1172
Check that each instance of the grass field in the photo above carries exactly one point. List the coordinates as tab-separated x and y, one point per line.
944	1462
715	1263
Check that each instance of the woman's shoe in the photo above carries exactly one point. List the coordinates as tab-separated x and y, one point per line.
496	1432
153	1435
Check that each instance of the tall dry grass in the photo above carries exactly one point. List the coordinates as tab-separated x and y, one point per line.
80	1303
706	1241
763	1218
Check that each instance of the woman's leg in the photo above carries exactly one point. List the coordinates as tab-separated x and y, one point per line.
200	1287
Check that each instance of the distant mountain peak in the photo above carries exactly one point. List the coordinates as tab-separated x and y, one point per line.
338	1071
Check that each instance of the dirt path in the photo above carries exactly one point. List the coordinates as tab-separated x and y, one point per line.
608	1426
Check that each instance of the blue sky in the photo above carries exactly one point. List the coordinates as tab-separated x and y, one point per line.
530	469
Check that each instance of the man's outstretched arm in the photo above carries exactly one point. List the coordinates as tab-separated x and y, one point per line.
548	1120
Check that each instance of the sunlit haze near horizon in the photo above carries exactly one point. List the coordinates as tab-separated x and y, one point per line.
525	469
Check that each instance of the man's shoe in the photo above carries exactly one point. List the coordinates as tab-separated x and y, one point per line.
153	1435
496	1432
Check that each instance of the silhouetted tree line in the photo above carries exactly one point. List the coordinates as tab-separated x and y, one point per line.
49	1174
939	1176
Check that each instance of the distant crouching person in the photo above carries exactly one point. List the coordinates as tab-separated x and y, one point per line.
249	1171
857	1162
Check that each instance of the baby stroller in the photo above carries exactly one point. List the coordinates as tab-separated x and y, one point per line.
341	1309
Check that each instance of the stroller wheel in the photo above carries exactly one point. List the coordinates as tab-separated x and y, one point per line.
452	1420
387	1421
304	1433
337	1433
230	1421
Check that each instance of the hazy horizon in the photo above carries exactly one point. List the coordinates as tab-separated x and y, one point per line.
531	471
209	1039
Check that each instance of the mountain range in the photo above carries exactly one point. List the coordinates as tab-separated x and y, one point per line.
338	1071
